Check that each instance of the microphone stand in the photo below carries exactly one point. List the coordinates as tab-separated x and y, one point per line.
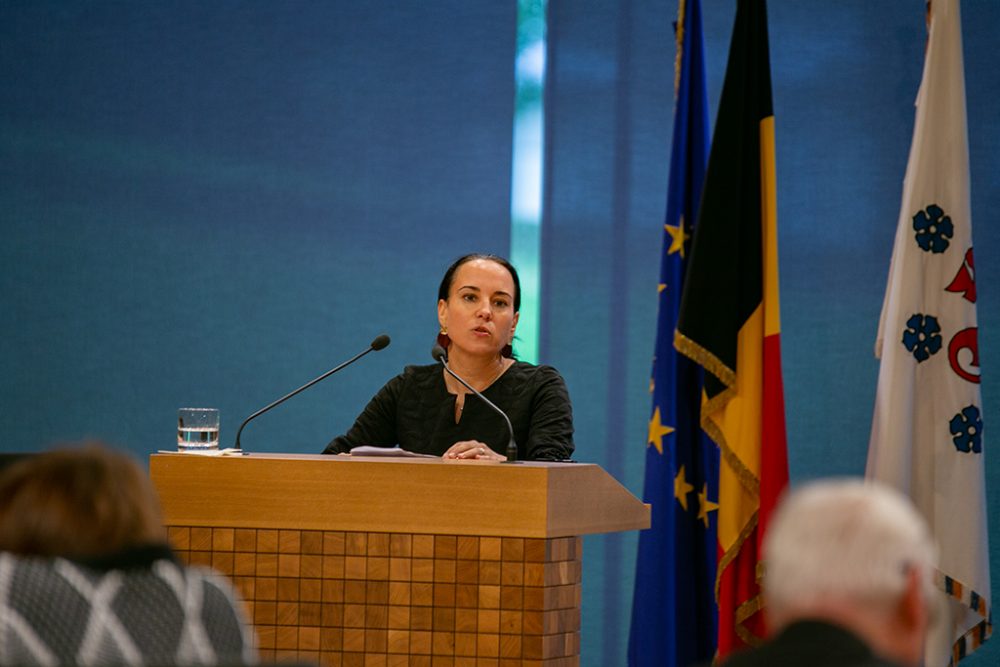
377	344
440	355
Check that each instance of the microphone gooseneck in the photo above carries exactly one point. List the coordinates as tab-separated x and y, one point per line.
380	342
439	354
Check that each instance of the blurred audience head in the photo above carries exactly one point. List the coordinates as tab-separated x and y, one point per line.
857	554
77	502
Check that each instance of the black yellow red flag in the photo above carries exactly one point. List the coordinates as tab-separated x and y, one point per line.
729	324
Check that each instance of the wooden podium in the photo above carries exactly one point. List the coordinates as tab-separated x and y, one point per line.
350	561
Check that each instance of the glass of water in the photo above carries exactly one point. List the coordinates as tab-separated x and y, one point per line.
197	429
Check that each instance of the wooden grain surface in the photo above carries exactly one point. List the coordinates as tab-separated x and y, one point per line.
316	492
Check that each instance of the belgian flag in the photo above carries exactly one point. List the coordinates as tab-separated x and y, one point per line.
729	324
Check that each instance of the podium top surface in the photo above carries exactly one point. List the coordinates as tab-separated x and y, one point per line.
384	494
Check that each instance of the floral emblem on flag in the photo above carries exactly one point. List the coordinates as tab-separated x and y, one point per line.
933	229
922	336
967	427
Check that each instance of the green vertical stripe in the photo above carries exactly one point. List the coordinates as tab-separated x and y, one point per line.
526	176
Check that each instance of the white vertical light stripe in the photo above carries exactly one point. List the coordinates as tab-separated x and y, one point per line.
527	170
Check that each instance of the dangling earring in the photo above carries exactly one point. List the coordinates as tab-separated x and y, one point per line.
443	340
507	351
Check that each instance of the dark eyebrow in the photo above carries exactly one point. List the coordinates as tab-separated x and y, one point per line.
476	289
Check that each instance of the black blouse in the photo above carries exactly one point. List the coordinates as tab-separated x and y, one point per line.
415	411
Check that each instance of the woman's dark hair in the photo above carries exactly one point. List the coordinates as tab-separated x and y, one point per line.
449	275
78	502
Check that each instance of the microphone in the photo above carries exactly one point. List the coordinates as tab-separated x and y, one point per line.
440	355
381	341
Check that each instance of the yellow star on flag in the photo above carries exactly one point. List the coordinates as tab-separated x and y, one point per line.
705	505
657	430
662	286
678	235
682	489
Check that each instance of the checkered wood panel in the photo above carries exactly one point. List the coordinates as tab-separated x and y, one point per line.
349	599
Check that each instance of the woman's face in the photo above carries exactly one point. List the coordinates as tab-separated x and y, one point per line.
479	313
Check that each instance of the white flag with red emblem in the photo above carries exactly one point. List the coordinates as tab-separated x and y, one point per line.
927	431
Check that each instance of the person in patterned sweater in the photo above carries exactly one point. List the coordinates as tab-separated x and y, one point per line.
87	576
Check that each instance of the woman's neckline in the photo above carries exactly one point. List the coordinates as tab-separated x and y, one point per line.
462	390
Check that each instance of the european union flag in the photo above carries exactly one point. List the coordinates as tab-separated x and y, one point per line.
674	617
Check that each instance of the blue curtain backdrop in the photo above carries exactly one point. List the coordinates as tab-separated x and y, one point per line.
211	203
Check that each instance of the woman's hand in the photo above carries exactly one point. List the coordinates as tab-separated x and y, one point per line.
472	449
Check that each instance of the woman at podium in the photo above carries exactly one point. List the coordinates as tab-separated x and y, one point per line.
427	410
